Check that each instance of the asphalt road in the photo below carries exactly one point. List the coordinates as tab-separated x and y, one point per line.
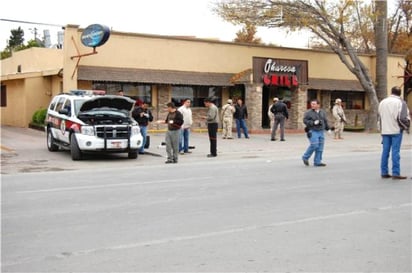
246	210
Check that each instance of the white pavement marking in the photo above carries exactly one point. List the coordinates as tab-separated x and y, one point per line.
112	185
231	231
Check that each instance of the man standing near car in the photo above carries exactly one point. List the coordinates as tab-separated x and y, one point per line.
174	121
143	116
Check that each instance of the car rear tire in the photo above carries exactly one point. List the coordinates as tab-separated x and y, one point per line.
51	145
74	148
132	155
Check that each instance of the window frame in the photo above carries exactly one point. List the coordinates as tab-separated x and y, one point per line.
3	96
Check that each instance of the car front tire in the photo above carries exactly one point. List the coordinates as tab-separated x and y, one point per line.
74	148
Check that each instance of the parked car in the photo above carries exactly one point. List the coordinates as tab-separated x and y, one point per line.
87	121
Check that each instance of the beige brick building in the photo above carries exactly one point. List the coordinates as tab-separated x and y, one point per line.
159	69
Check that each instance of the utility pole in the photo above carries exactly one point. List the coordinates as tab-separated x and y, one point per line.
34	31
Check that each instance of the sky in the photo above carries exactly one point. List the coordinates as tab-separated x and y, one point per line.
162	17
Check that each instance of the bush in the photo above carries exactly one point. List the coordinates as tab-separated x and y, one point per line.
39	116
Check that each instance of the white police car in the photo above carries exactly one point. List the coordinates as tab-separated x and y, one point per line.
85	121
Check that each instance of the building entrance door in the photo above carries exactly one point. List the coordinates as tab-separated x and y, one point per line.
268	93
266	101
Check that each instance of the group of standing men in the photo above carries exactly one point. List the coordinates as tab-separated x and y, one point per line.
394	118
229	112
179	122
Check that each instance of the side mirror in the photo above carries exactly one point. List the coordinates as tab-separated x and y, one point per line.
64	111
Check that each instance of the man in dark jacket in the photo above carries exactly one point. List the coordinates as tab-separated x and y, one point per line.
316	122
212	120
241	116
143	116
281	114
174	121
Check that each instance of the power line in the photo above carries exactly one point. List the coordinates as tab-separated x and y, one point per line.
31	23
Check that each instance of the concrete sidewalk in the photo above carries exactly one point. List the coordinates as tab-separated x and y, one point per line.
259	145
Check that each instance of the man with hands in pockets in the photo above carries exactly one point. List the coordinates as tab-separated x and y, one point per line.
316	123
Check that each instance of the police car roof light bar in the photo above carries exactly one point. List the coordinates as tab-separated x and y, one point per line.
87	92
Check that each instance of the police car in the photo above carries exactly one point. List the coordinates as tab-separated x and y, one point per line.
84	121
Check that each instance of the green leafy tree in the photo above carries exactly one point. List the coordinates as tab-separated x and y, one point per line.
16	38
16	43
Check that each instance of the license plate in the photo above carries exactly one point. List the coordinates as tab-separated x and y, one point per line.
116	144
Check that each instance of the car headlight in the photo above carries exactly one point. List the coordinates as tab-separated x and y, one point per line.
135	130
87	130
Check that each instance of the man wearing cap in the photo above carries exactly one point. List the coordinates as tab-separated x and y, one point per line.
340	118
227	119
280	111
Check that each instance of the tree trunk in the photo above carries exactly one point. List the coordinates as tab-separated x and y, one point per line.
381	41
367	83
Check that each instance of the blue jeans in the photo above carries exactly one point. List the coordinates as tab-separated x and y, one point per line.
317	142
241	124
184	140
143	131
391	142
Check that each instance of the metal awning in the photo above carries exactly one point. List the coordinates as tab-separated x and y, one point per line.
332	84
115	74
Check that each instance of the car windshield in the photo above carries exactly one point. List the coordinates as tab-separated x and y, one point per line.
77	105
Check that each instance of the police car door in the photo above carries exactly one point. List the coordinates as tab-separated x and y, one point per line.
64	114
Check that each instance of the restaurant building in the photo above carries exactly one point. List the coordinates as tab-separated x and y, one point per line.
158	69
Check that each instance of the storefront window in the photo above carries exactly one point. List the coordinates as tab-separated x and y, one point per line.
138	92
350	99
197	94
237	91
312	95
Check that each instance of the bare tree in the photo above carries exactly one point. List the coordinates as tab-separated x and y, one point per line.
400	28
330	21
248	34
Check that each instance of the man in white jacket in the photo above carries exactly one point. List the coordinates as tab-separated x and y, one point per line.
390	111
185	129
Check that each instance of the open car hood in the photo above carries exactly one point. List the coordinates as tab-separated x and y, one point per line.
108	101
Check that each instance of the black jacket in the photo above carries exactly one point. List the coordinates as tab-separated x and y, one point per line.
241	112
174	120
280	108
142	120
311	116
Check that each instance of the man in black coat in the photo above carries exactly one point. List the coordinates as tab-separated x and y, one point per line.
143	116
281	114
